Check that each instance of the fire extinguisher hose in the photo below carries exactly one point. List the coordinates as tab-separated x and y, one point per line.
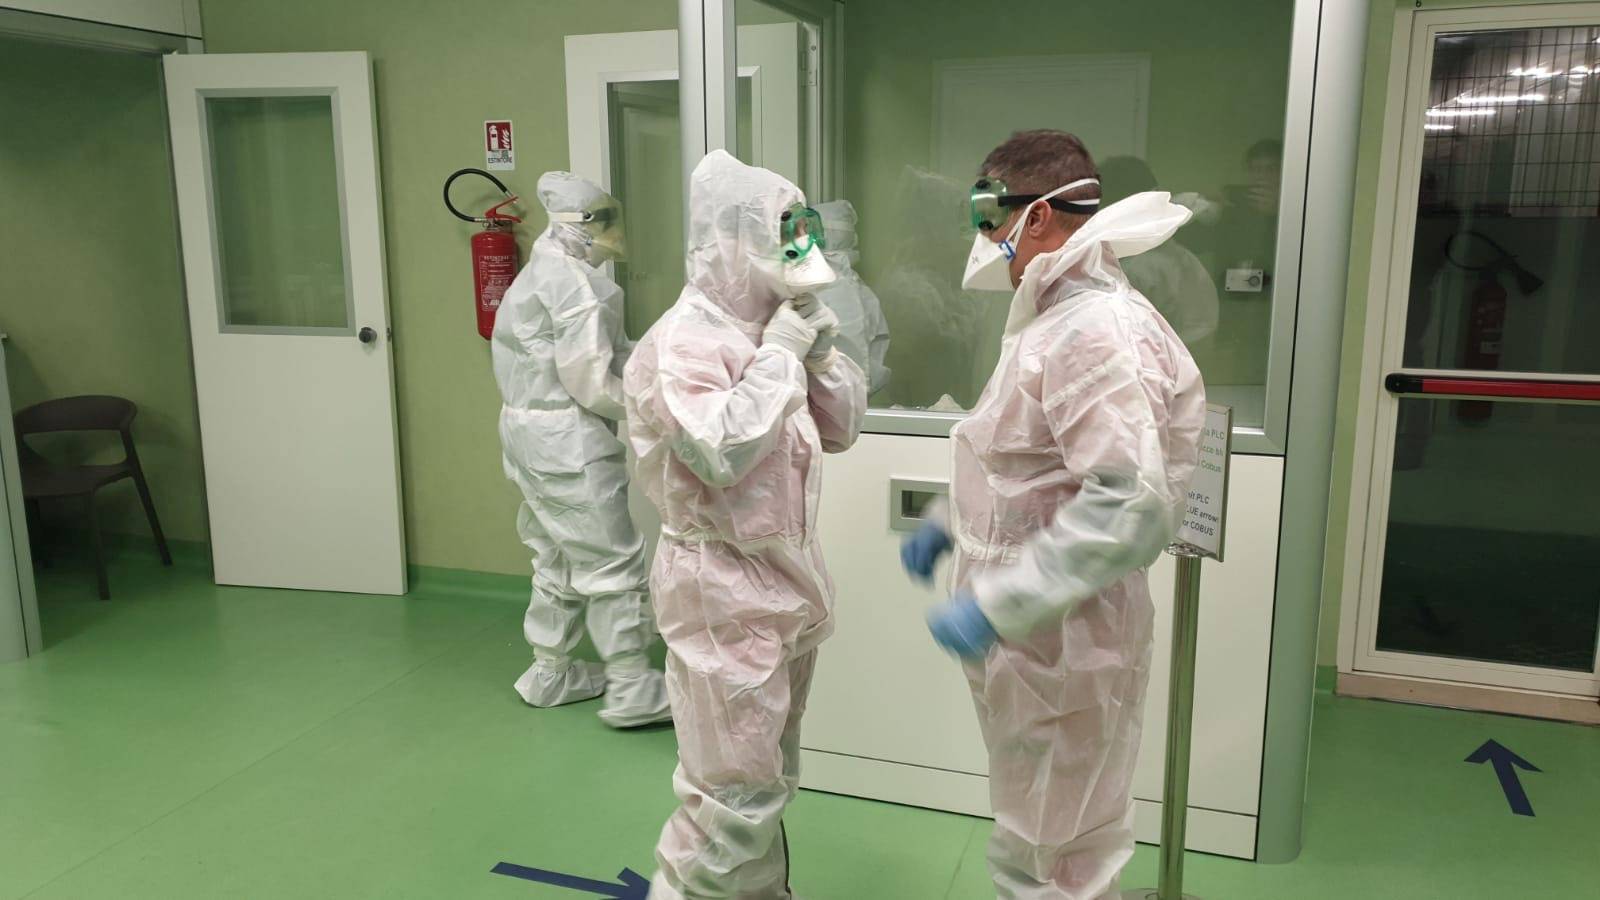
494	212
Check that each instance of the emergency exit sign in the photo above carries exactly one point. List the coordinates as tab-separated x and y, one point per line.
498	152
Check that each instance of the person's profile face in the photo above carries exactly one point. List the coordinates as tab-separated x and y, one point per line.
1263	176
1264	172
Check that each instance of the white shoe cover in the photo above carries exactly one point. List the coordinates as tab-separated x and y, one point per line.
635	698
546	685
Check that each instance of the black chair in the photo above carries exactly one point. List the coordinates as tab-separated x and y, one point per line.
43	480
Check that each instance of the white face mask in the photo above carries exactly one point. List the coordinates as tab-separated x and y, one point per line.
989	262
808	273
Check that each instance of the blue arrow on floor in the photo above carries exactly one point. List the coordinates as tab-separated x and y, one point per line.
1506	765
630	885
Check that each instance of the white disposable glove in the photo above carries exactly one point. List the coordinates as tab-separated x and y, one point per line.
826	322
789	329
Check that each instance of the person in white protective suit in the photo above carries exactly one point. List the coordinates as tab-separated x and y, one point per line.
733	396
558	351
1069	477
863	330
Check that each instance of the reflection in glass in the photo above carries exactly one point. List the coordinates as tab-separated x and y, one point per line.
275	190
1507	250
774	103
1194	94
863	330
647	178
1487	556
1170	276
1168	95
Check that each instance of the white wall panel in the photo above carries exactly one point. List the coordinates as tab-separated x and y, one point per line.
890	717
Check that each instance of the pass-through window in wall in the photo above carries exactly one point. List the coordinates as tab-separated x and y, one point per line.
1168	95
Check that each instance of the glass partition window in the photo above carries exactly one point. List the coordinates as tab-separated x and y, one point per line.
646	152
646	159
279	226
1169	95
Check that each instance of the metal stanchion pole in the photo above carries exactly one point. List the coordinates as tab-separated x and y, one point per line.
1180	722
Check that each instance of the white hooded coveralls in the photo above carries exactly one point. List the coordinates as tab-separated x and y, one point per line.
1069	478
863	329
729	435
558	350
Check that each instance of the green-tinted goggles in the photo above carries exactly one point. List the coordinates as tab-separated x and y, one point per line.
800	229
992	204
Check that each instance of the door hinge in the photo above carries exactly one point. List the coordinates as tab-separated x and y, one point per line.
811	59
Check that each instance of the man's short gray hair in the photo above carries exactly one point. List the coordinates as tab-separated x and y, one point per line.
1039	161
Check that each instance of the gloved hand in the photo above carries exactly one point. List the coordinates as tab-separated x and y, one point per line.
818	314
789	329
961	627
820	356
920	551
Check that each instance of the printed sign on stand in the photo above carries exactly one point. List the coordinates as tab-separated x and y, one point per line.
498	153
1202	526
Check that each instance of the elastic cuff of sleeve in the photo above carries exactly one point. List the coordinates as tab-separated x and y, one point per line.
996	611
819	365
793	363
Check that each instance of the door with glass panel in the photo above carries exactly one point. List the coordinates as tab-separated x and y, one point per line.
276	167
1481	562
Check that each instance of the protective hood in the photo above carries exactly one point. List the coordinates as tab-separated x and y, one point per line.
839	226
734	257
564	192
1088	258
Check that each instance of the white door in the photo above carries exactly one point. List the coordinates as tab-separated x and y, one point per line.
1479	547
276	165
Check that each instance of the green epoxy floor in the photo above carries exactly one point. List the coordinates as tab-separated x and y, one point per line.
186	740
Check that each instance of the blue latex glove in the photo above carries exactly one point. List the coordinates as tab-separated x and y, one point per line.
921	551
961	627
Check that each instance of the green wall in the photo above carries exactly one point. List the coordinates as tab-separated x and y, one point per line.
1380	43
434	90
440	70
90	288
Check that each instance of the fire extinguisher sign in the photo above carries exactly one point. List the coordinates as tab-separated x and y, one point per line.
498	152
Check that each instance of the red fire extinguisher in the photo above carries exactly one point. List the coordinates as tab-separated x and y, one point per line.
1486	315
494	251
1486	326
